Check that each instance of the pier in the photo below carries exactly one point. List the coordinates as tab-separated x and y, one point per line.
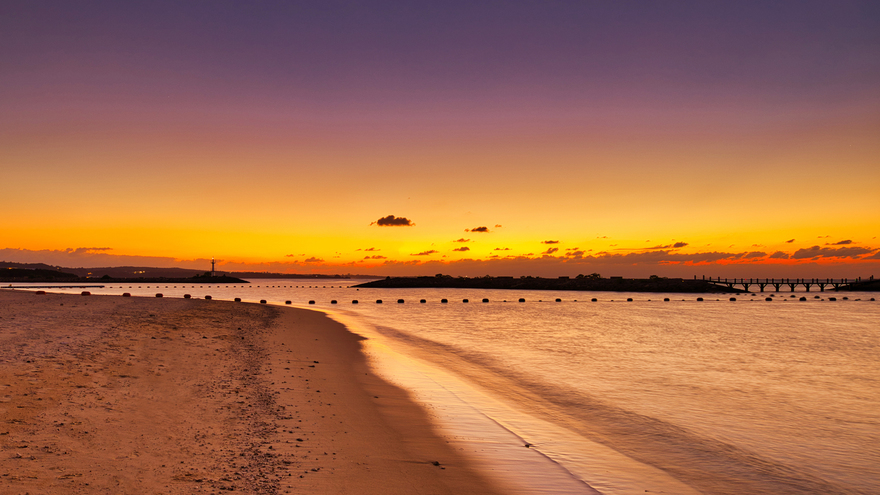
777	284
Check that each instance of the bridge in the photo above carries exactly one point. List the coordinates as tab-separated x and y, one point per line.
807	283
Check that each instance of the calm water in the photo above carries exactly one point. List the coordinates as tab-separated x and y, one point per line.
719	396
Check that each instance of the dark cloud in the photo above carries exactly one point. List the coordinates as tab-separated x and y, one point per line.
789	241
289	255
463	248
679	244
497	225
501	249
575	254
667	246
820	252
392	221
370	249
755	254
549	242
572	249
839	243
551	250
375	257
875	256
314	260
462	240
779	255
478	229
424	253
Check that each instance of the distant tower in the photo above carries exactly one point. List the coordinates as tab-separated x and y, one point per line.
212	266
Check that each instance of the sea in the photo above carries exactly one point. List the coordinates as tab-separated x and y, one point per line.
553	392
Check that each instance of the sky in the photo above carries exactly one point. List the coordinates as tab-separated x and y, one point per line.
514	138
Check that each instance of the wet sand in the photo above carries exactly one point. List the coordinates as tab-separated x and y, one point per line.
104	394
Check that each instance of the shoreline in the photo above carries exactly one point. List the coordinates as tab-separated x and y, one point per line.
177	396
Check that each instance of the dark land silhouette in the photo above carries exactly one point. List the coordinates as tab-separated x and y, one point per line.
580	283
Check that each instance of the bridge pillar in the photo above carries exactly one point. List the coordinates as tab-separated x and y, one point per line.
821	287
777	286
746	286
792	286
762	286
807	285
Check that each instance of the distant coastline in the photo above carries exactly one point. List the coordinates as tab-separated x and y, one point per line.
47	276
589	283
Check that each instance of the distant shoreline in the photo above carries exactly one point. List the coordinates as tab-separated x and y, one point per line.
536	283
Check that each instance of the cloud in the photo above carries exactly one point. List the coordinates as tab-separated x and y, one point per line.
463	248
370	249
289	255
478	229
424	253
551	250
314	260
875	256
501	249
779	255
839	243
679	244
549	242
575	254
392	221
820	252
789	241
87	250
375	257
755	254
462	240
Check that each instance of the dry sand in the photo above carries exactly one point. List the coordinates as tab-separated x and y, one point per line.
104	394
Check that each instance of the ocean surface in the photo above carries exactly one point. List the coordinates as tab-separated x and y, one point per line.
618	397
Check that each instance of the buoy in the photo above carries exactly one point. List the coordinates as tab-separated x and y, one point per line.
185	296
41	292
733	299
464	300
444	301
666	299
354	301
262	301
768	298
832	298
400	301
237	299
803	299
86	293
311	302
558	300
378	301
593	300
126	294
422	301
159	295
815	297
333	301
629	299
522	300
699	299
208	298
485	300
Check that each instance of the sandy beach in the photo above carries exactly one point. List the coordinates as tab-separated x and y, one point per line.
105	394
